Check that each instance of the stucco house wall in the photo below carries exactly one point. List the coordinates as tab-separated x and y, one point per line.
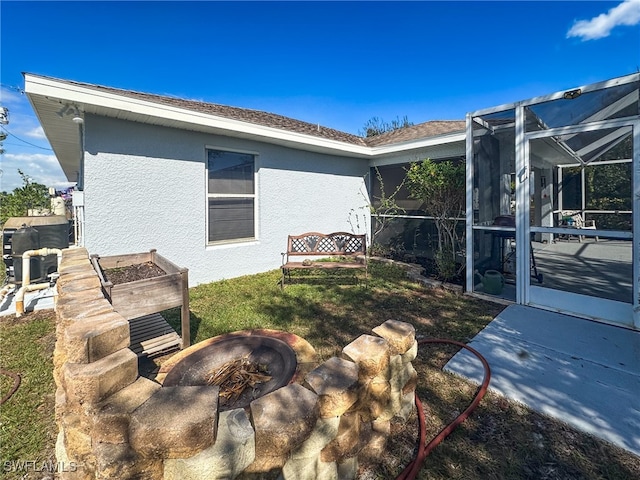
145	187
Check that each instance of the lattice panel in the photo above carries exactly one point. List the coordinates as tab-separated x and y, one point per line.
341	241
330	244
327	245
305	244
354	245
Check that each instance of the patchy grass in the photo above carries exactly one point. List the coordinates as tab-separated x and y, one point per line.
27	427
501	439
328	312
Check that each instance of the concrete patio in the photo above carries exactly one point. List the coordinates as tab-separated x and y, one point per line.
598	268
584	373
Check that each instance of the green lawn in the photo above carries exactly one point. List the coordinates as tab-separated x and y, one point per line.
27	427
501	440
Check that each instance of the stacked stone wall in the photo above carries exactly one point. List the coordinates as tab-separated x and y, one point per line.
113	423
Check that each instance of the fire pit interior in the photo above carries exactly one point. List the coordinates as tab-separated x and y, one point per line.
265	363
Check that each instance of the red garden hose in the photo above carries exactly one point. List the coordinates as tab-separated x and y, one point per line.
16	383
411	471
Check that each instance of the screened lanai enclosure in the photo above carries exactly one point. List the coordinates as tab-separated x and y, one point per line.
403	227
552	201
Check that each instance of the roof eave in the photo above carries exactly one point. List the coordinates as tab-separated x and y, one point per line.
109	104
419	143
58	93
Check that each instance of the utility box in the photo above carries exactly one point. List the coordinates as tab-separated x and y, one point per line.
24	239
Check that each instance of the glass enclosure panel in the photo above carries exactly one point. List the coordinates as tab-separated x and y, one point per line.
412	240
604	144
496	120
414	236
593	194
577	247
494	174
494	183
577	107
494	253
576	194
600	268
607	194
388	182
401	224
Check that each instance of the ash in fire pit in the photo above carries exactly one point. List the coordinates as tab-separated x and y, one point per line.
245	367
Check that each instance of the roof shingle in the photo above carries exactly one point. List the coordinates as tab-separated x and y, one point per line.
432	128
414	132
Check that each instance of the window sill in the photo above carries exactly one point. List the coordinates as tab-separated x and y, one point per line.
231	243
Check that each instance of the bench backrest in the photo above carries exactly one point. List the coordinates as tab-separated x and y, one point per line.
338	243
575	216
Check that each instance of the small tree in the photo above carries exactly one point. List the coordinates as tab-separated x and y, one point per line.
376	126
17	203
441	186
383	208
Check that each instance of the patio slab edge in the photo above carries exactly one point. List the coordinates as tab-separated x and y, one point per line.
554	379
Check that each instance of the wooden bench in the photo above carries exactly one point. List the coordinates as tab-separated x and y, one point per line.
347	246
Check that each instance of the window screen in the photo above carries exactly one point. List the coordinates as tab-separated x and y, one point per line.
231	195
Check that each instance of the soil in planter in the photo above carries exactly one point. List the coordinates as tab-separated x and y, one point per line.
131	273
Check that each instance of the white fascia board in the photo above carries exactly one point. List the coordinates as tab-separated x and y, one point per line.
417	144
83	95
87	96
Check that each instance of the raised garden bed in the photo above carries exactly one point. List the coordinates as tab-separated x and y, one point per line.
141	284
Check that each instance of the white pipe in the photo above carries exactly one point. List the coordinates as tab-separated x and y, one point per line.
26	276
30	288
26	264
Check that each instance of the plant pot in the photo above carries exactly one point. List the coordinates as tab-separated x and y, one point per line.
493	282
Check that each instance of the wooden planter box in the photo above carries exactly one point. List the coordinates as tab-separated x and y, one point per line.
141	298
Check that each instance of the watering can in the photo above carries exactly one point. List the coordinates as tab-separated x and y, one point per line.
492	282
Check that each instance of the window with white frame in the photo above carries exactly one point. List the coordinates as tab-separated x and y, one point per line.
230	196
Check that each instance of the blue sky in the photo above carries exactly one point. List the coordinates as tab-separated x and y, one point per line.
333	63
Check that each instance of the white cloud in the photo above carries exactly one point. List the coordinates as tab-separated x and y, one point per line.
40	167
11	97
31	158
627	14
37	132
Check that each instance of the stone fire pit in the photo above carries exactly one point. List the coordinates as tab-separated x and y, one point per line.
280	353
317	420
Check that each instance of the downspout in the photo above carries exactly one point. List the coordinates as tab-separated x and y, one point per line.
26	276
79	209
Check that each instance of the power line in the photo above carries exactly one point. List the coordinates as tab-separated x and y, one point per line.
11	87
13	144
24	141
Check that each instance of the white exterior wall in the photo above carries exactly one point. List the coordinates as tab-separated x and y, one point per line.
145	187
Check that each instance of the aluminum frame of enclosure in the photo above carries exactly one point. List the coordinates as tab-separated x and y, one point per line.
615	120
